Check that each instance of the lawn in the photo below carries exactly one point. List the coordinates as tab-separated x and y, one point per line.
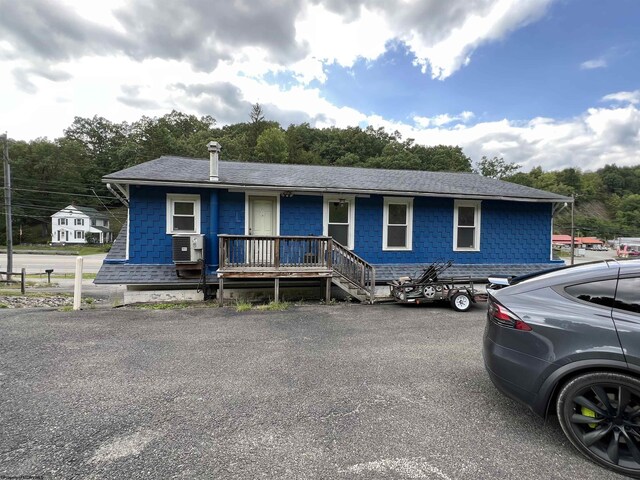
66	249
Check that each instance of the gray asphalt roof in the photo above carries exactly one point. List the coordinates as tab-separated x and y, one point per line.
88	211
118	249
180	170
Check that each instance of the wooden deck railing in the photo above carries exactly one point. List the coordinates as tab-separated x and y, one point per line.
354	269
249	253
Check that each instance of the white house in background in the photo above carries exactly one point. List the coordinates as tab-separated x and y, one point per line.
75	224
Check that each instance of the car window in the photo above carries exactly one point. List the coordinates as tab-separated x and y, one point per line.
628	294
601	292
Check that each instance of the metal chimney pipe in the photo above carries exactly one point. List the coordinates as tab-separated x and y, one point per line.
214	151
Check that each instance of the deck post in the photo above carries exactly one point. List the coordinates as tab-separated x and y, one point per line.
327	287
221	245
373	285
276	293
221	291
276	253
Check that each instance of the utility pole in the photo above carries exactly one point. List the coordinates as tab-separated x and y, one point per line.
573	243
7	205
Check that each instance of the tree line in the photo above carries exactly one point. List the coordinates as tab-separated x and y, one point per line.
48	175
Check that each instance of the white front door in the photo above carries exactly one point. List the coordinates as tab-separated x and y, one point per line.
262	223
262	216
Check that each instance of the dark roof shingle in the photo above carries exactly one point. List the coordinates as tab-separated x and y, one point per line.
321	178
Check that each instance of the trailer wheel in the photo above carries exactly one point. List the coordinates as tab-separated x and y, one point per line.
461	302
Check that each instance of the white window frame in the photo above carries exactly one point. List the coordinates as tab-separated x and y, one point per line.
408	202
80	236
351	200
477	224
175	197
62	221
78	222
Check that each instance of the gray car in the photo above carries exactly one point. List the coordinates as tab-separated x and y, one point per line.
568	342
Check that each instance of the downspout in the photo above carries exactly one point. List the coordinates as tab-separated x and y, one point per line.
212	255
557	208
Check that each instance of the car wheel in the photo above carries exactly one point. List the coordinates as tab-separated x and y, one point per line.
600	415
461	302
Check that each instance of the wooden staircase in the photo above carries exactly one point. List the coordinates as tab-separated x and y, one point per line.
352	274
253	257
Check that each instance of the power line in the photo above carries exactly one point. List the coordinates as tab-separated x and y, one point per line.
44	208
61	183
108	211
59	193
46	201
28	208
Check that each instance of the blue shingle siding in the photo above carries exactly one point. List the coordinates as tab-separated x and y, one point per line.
511	232
147	226
514	232
149	242
301	215
231	211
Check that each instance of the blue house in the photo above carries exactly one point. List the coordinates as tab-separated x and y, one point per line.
195	221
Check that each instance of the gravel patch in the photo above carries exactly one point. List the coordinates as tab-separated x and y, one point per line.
49	301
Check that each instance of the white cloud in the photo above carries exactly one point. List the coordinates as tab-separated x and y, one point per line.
623	97
443	119
332	38
112	79
593	64
445	55
598	137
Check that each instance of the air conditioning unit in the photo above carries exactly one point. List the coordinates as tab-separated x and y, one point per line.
188	248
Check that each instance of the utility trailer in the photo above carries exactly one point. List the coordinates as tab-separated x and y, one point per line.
430	287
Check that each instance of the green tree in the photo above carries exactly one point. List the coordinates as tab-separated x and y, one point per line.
272	146
496	167
446	158
256	125
629	212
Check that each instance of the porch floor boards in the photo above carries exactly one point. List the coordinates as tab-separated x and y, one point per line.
273	272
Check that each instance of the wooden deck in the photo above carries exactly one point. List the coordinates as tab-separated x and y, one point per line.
305	257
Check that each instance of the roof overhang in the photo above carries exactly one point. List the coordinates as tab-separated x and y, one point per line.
321	191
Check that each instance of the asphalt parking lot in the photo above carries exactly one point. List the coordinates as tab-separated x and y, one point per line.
345	391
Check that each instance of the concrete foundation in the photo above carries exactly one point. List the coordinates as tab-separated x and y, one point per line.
138	295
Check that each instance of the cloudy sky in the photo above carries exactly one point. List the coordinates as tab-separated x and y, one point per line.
554	83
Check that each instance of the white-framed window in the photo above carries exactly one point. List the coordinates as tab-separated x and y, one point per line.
466	225
78	221
397	232
183	213
62	221
79	234
338	217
